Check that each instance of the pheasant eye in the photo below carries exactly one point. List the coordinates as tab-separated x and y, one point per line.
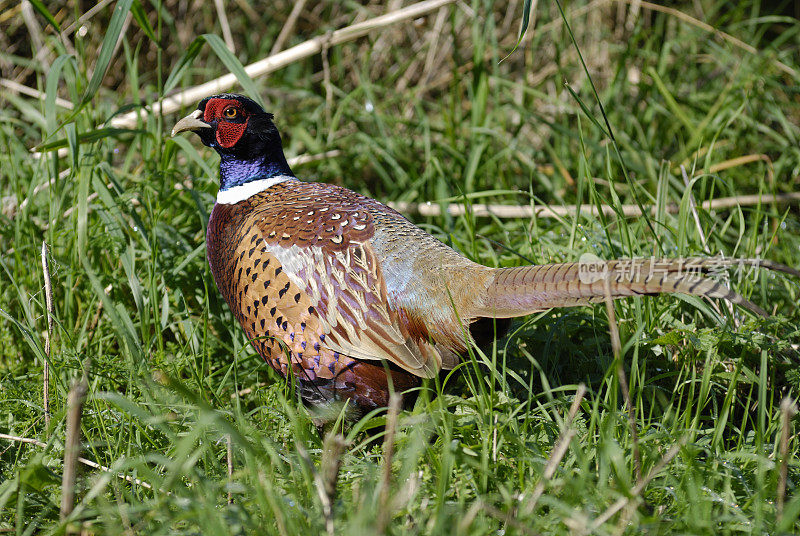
230	112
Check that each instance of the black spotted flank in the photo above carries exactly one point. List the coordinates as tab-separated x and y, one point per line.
283	291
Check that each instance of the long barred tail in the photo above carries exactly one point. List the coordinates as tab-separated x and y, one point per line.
527	289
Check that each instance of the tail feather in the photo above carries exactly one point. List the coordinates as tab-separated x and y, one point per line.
527	289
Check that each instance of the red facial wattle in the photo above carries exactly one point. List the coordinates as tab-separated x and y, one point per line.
228	133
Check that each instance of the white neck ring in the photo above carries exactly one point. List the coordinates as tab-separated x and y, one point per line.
236	194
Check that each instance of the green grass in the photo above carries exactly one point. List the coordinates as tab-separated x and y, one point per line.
135	304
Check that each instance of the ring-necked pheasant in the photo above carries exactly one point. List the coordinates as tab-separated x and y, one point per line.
349	295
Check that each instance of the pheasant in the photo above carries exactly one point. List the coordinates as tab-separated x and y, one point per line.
352	298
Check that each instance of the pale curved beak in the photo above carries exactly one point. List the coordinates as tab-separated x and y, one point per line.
190	122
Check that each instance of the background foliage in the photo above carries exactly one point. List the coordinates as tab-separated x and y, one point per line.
442	108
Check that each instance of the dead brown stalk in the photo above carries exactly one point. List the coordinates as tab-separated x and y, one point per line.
325	478
788	410
48	294
72	445
545	211
84	461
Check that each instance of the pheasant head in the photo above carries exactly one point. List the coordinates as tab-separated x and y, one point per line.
243	134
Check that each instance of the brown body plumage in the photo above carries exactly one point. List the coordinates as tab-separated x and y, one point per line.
350	297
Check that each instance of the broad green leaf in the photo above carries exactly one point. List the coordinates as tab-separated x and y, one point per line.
36	475
51	90
194	155
72	143
523	27
107	48
183	64
39	6
140	16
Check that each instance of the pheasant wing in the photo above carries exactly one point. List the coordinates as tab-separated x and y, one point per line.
322	244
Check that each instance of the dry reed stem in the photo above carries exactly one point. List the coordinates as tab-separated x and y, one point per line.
332	447
229	456
84	461
16	87
40	188
435	34
26	440
48	294
613	330
245	6
385	510
42	53
281	59
227	36
543	211
740	161
788	410
72	444
86	16
287	27
326	81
